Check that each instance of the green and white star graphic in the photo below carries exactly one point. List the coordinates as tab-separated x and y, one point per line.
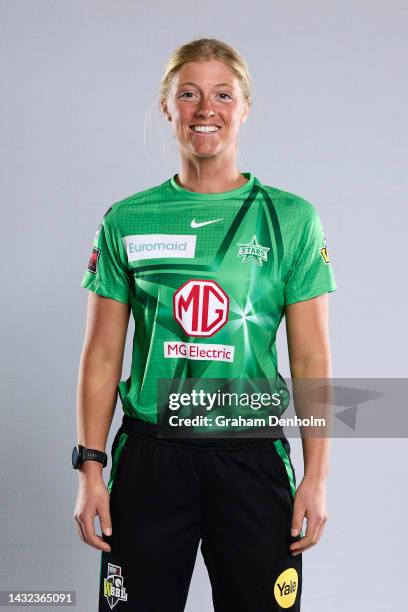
253	250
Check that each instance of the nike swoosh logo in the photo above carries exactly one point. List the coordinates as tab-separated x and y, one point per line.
194	223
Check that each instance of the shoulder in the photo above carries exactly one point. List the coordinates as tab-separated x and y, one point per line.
122	206
291	204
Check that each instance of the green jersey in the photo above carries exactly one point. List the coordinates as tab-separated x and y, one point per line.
207	277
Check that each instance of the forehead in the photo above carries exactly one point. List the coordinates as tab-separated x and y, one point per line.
205	72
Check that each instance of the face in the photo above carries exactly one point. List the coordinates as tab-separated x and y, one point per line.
206	93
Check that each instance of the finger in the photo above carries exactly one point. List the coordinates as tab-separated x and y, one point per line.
321	529
317	527
81	534
80	527
105	520
304	538
91	537
302	550
310	544
313	530
297	519
301	545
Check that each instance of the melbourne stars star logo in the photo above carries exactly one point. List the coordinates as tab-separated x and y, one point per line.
253	251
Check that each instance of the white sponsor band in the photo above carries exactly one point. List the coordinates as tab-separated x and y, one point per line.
153	246
206	352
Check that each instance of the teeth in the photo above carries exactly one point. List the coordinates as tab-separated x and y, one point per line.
205	128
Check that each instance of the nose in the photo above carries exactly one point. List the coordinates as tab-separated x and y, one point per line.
204	109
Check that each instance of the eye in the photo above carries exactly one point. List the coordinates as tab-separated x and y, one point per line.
224	93
186	94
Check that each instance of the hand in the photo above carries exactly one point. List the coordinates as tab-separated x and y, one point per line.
309	503
93	500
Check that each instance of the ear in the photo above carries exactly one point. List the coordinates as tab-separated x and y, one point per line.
165	109
245	112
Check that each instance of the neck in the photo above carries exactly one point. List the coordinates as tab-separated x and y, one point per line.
209	175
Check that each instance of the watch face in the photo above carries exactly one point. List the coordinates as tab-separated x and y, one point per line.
76	456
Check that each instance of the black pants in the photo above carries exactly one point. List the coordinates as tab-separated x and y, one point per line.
235	495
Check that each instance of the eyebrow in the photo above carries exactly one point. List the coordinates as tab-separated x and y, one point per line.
195	84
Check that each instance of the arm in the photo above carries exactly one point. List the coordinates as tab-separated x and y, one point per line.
310	357
99	373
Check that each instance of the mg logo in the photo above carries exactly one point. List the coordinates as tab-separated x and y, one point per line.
201	307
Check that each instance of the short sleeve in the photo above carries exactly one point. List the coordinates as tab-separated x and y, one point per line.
311	274
107	271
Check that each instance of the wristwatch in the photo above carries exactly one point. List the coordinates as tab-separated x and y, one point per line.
81	454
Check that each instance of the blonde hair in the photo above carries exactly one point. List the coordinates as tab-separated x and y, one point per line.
207	49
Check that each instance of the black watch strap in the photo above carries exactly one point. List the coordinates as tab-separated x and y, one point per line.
81	454
94	455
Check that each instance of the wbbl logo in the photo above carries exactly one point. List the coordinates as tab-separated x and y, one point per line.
93	260
113	588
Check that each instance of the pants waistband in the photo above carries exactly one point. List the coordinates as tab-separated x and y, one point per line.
134	425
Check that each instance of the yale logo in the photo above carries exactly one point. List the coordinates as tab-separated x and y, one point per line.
153	246
286	587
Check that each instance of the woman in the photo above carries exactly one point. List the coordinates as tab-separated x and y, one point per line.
209	262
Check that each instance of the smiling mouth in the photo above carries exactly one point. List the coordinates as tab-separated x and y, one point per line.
203	129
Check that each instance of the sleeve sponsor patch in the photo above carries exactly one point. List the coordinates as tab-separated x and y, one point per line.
324	252
93	260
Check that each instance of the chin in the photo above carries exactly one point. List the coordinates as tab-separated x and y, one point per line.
205	151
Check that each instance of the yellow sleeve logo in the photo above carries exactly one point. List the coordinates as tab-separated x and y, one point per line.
324	252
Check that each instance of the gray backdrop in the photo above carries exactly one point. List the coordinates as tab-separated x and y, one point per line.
80	130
